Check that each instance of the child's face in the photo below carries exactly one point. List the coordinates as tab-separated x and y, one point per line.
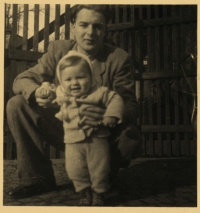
76	80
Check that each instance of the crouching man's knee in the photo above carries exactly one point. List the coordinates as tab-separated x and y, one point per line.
15	103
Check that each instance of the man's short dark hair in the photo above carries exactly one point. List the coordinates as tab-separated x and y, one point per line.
104	9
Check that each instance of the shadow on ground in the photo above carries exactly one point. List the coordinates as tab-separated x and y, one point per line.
156	177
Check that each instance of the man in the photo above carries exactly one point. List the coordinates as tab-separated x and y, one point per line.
31	116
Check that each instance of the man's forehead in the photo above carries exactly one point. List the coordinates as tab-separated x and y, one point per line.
90	16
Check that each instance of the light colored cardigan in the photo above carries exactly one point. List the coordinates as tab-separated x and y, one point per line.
101	96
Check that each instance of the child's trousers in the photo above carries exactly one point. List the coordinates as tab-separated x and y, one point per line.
88	164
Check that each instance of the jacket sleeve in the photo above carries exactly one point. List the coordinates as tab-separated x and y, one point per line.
114	104
123	84
28	81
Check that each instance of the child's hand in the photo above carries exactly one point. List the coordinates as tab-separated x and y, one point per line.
45	94
46	90
110	121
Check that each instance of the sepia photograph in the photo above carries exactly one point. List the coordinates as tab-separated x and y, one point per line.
100	105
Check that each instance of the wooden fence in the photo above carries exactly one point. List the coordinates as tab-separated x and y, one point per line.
158	38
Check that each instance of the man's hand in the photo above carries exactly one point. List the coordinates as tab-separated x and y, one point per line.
45	94
110	121
94	115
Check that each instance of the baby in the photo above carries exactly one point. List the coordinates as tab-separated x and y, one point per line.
87	148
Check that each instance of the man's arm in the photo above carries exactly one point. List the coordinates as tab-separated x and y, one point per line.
123	84
30	80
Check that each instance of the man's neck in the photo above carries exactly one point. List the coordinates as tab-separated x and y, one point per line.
91	56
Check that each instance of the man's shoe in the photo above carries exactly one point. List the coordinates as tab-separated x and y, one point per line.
28	191
85	197
98	199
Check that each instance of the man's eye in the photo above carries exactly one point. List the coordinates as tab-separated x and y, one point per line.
67	79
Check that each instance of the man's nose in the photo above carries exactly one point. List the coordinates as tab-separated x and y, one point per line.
90	30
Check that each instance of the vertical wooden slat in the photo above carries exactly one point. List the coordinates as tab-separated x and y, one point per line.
110	34
13	40
185	142
141	42
193	50
57	22
176	59
23	64
25	27
123	34
166	42
67	21
13	44
117	35
149	143
158	143
36	27
132	36
185	147
46	27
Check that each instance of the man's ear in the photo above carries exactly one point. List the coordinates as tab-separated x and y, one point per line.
72	30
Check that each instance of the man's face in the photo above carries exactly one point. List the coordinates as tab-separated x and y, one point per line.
76	80
89	30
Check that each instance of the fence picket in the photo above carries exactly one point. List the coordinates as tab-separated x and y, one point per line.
150	47
185	142
67	21
46	27
57	22
158	143
167	43
36	28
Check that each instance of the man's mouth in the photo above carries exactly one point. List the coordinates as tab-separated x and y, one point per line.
90	41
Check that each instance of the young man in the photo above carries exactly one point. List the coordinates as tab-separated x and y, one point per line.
31	117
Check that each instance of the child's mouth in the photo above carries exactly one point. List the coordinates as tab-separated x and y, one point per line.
75	89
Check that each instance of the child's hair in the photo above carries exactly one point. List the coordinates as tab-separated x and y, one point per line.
73	61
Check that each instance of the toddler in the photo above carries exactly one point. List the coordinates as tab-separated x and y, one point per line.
87	149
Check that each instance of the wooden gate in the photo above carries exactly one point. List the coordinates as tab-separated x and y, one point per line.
162	42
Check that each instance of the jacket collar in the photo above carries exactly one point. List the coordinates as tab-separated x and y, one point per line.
98	63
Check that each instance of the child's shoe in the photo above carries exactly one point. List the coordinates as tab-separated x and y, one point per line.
85	197
98	199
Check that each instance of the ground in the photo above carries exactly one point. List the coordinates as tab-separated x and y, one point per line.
145	183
